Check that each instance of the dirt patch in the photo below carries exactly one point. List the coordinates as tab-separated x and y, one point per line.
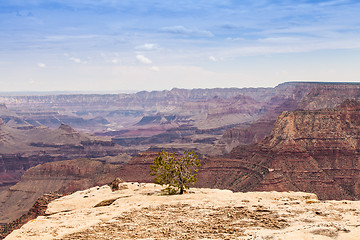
333	233
181	221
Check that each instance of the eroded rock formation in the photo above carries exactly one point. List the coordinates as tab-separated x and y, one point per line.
314	151
22	148
61	177
38	209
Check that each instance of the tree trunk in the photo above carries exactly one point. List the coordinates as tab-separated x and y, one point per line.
181	190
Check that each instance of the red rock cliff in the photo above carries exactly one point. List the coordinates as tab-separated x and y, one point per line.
314	151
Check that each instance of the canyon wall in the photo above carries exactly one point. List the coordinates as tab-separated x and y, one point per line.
314	151
61	177
21	148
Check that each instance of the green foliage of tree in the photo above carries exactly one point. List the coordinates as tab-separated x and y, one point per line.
175	171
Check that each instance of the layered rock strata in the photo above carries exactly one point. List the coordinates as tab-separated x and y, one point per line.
61	177
38	209
314	151
21	149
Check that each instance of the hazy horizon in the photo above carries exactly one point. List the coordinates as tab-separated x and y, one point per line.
122	46
70	92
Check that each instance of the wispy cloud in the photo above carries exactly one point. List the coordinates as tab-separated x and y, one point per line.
143	59
41	65
334	2
279	40
71	37
283	47
146	47
181	30
77	60
212	58
155	68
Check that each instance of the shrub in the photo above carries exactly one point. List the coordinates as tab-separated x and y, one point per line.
175	171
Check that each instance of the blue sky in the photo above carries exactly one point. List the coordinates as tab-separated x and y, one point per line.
109	45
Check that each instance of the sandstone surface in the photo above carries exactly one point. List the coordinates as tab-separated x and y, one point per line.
141	211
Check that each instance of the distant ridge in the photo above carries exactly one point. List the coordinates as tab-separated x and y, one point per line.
46	93
324	83
51	93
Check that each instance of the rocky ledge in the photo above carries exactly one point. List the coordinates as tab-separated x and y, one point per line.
142	211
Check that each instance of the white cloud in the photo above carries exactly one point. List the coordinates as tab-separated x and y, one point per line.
77	60
143	59
146	47
212	58
279	40
41	65
284	45
155	68
187	31
330	3
71	37
235	39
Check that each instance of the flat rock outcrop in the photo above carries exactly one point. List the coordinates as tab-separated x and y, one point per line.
142	211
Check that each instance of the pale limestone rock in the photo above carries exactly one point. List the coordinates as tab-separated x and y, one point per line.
279	215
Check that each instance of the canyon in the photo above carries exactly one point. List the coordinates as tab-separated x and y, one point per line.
177	116
294	137
24	147
61	177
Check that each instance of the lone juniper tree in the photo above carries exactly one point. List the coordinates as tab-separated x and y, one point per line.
175	171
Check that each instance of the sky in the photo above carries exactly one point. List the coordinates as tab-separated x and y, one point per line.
123	45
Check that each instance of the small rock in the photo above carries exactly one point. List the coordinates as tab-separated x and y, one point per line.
309	201
114	185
